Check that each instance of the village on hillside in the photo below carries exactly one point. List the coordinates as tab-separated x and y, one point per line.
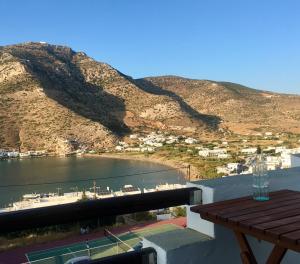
228	156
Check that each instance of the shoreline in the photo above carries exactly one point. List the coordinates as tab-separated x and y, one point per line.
182	167
178	165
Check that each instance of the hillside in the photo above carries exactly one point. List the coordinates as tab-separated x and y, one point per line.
56	99
241	109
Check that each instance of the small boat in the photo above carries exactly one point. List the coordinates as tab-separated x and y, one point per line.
31	196
24	155
128	190
104	193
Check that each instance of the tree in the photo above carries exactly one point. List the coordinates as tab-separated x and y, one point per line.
259	150
84	196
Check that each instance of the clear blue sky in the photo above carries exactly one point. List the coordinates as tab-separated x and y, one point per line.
252	42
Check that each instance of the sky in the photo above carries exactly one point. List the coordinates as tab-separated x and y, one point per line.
252	42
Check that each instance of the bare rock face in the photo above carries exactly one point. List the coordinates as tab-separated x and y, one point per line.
240	109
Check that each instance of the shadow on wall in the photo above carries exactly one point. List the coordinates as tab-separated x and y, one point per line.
211	121
69	88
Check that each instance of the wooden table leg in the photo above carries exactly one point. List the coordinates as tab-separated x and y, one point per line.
276	255
246	252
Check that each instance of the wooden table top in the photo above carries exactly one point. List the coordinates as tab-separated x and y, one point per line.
276	220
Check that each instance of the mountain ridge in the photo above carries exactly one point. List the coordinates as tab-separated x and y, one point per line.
57	96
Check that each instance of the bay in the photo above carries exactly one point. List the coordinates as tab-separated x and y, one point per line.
44	175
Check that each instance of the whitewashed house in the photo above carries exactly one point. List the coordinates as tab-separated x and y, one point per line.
119	148
12	154
223	156
273	162
203	152
190	140
280	149
233	166
221	170
295	160
249	151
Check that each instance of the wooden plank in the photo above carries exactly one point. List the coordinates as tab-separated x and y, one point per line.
257	206
254	221
291	237
258	235
263	212
278	231
277	223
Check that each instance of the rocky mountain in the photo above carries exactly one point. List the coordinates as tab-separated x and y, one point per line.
53	98
241	109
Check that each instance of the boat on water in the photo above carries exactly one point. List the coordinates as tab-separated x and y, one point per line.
24	155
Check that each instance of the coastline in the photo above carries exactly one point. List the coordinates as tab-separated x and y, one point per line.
180	166
189	174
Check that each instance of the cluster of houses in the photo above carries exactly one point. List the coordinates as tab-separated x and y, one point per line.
5	154
152	141
282	158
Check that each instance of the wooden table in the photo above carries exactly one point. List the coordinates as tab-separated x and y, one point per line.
276	221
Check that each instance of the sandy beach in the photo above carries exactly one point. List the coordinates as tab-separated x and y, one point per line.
181	166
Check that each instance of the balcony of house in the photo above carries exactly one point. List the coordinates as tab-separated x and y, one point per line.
102	245
205	242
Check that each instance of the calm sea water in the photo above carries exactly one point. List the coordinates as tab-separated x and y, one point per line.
57	169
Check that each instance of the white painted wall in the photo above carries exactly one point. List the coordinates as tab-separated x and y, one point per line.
295	161
161	253
194	220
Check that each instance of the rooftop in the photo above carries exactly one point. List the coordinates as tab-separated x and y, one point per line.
180	238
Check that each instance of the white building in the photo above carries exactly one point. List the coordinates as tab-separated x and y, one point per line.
204	152
223	156
190	140
232	166
133	149
249	150
273	162
217	152
289	158
295	160
280	149
133	136
269	148
147	149
12	154
119	148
